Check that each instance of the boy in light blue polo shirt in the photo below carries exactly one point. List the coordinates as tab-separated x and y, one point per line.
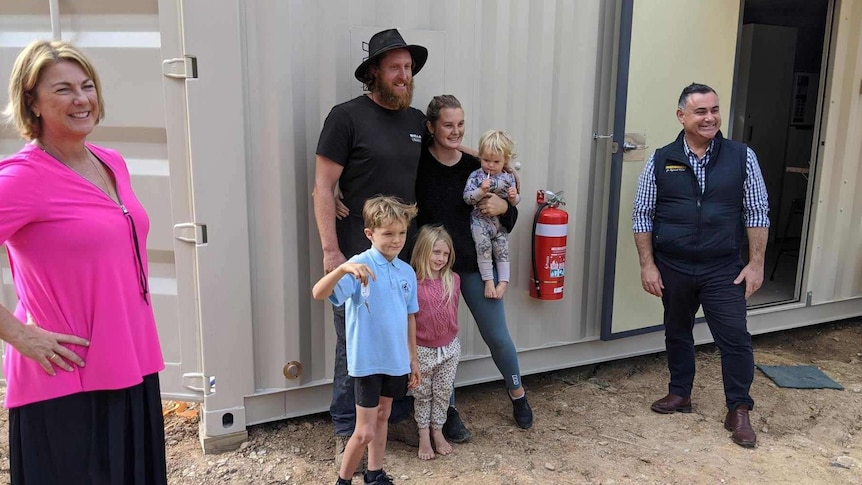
378	291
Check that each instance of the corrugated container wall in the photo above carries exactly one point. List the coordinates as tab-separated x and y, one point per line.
540	70
123	41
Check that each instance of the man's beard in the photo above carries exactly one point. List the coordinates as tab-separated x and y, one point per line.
392	99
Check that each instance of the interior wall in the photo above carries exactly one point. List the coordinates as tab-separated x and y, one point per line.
808	17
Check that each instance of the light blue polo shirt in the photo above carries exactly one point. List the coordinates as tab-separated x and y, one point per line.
376	334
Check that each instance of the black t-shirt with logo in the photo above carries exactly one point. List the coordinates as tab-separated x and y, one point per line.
379	149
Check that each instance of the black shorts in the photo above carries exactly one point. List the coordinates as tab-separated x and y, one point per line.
368	389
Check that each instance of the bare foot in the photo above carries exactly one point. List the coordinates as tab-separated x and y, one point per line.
425	450
501	289
490	292
443	447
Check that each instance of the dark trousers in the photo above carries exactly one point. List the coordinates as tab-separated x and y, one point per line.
343	405
724	307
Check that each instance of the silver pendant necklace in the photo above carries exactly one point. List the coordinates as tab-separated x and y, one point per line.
90	156
142	274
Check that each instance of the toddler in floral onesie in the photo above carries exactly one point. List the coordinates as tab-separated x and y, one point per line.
496	150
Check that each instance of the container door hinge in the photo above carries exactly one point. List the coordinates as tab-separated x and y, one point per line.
200	383
191	232
181	67
808	298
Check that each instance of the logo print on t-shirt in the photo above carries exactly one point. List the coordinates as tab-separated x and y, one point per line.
416	138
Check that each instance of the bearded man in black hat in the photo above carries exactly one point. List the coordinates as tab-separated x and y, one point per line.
369	146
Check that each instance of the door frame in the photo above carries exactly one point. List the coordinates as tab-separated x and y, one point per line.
616	171
616	176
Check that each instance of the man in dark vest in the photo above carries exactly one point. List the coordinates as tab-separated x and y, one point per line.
697	199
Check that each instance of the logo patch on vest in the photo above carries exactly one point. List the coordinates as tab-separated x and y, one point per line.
416	138
675	168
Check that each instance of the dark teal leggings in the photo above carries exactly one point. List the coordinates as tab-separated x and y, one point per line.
490	317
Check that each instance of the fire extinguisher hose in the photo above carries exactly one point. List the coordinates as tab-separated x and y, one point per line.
536	279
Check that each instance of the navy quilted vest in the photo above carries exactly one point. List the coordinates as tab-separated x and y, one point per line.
694	232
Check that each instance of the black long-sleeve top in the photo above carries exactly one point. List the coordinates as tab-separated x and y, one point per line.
440	198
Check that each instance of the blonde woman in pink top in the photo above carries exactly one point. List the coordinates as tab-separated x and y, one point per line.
83	355
438	348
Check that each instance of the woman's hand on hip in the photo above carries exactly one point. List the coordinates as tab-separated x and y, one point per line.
47	348
492	205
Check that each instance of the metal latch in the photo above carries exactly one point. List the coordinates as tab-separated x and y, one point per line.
198	382
191	232
181	67
634	146
629	146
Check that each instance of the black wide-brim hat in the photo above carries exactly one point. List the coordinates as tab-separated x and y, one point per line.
385	41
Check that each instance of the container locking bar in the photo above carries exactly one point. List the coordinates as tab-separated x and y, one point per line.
191	232
181	67
200	383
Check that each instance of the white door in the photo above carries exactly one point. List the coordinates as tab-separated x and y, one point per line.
183	378
672	43
204	108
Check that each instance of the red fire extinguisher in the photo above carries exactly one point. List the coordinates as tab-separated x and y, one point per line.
549	247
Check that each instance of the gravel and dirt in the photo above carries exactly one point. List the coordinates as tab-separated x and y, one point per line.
593	426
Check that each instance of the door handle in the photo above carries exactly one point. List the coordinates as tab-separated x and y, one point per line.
629	146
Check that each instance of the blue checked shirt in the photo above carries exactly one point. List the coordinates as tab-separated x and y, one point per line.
755	202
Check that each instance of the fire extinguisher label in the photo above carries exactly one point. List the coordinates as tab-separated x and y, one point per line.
557	262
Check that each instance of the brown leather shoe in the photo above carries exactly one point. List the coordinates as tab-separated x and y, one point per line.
671	404
738	424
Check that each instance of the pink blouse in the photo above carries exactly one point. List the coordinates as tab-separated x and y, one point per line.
76	270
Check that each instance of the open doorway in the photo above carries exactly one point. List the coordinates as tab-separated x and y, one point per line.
775	105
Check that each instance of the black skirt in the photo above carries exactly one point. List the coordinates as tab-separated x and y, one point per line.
91	438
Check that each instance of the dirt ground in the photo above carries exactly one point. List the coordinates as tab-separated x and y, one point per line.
593	425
